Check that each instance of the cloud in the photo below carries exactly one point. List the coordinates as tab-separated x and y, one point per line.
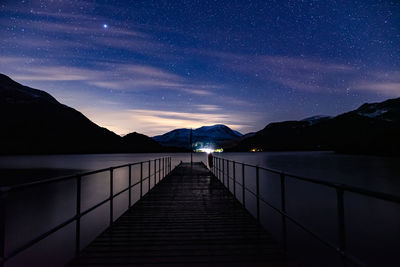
207	107
311	75
113	76
385	88
154	122
292	72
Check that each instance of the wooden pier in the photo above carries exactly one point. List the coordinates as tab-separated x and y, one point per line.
188	219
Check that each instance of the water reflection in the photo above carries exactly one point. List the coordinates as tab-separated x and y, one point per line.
35	210
370	223
372	226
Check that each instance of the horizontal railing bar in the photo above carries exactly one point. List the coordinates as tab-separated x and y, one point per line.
239	183
315	235
358	190
108	199
122	191
234	180
251	192
374	194
304	228
39	238
135	184
61	178
94	207
76	217
353	189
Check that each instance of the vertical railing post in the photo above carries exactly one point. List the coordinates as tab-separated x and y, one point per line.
149	175
111	195
216	167
227	173
341	225
3	199
258	192
141	179
234	177
130	186
219	169
155	173
283	209
159	170
163	167
243	187
78	216
214	159
223	171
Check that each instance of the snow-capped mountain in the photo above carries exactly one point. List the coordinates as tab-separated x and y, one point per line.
316	119
373	128
388	110
206	136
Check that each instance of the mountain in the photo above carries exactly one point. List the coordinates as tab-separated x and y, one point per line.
207	136
316	119
34	122
371	129
140	143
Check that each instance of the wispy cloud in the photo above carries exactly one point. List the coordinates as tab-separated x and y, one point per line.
115	76
293	72
208	107
385	83
154	122
311	75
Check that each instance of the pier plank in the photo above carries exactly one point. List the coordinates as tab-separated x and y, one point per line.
188	219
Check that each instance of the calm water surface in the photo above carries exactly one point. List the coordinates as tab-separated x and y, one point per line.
372	226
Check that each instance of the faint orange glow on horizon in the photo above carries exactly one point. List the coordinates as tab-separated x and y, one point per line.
156	122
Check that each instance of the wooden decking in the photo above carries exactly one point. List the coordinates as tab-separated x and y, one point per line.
189	219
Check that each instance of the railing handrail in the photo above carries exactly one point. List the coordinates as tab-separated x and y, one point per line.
340	189
345	187
164	168
71	176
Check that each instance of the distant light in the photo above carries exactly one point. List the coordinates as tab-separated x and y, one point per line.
105	26
205	149
209	150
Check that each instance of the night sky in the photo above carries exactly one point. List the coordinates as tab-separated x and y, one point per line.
152	66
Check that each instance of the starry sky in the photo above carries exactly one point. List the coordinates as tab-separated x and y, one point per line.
153	66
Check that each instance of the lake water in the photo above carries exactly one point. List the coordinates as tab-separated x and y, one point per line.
372	226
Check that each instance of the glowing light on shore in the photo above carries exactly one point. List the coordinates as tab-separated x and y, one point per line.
209	150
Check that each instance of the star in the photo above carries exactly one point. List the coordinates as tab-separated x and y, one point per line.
105	26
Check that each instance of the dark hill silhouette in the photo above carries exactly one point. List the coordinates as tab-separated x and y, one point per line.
34	122
370	129
140	143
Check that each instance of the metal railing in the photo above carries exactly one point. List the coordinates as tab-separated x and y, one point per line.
164	168
220	172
